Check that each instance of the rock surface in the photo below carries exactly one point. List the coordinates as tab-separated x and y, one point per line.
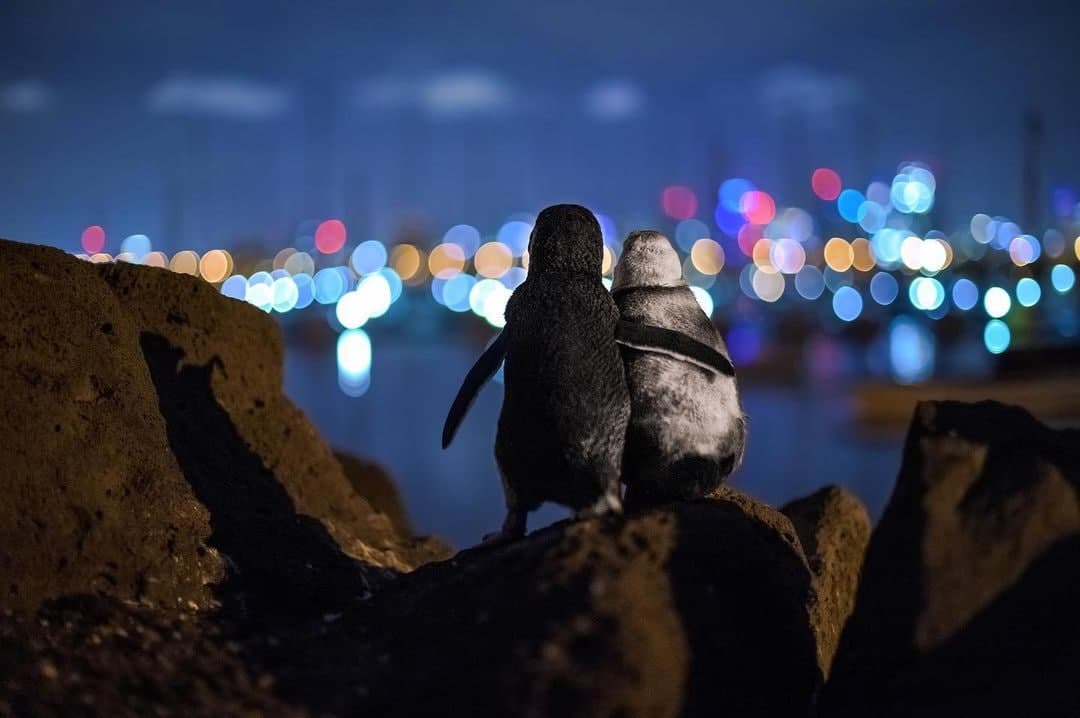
696	609
151	455
833	528
970	588
371	481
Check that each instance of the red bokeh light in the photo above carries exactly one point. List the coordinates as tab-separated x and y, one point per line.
330	236
93	239
758	207
826	183
749	234
679	202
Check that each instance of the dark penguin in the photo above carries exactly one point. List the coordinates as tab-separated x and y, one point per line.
566	405
687	428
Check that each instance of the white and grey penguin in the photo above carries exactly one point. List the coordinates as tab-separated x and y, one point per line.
566	405
687	428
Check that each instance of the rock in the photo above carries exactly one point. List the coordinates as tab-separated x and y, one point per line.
371	481
241	350
89	655
92	498
969	592
833	528
151	454
694	609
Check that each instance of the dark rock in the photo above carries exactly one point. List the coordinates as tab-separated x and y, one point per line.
970	588
150	454
90	655
695	609
371	481
834	528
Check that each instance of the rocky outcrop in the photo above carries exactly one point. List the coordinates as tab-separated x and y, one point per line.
175	538
969	592
696	609
150	454
834	528
371	481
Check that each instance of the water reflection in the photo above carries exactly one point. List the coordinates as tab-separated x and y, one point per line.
800	439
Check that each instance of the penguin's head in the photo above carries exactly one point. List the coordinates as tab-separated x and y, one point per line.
566	238
648	260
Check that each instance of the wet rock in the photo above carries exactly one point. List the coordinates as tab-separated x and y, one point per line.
371	481
694	609
833	528
969	591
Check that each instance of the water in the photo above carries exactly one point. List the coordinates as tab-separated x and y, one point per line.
800	439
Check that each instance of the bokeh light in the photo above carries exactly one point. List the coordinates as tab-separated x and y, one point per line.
996	336
768	286
839	255
926	293
446	260
847	303
1062	277
707	256
515	235
368	257
848	203
997	302
185	262
703	299
911	350
1028	292
406	260
678	202
826	183
93	239
215	265
731	192
284	294
137	245
884	288
688	232
351	310
330	236
758	207
354	362
862	254
235	287
809	282
965	294
493	260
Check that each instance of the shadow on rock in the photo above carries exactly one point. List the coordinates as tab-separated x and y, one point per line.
279	563
967	602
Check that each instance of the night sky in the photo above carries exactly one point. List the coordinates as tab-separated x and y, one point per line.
203	124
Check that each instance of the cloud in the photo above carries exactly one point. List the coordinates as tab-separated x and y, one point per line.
614	100
218	96
798	89
454	93
27	96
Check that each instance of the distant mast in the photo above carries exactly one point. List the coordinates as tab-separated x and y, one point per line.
1032	171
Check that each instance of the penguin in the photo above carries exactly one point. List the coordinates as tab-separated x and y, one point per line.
566	404
687	428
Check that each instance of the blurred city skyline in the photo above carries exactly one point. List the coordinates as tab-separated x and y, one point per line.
204	124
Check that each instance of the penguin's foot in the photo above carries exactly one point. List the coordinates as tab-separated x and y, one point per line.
513	528
609	503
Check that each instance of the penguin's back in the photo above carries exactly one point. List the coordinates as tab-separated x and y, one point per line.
687	428
566	405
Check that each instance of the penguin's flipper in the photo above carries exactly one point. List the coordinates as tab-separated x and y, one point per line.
484	368
649	338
